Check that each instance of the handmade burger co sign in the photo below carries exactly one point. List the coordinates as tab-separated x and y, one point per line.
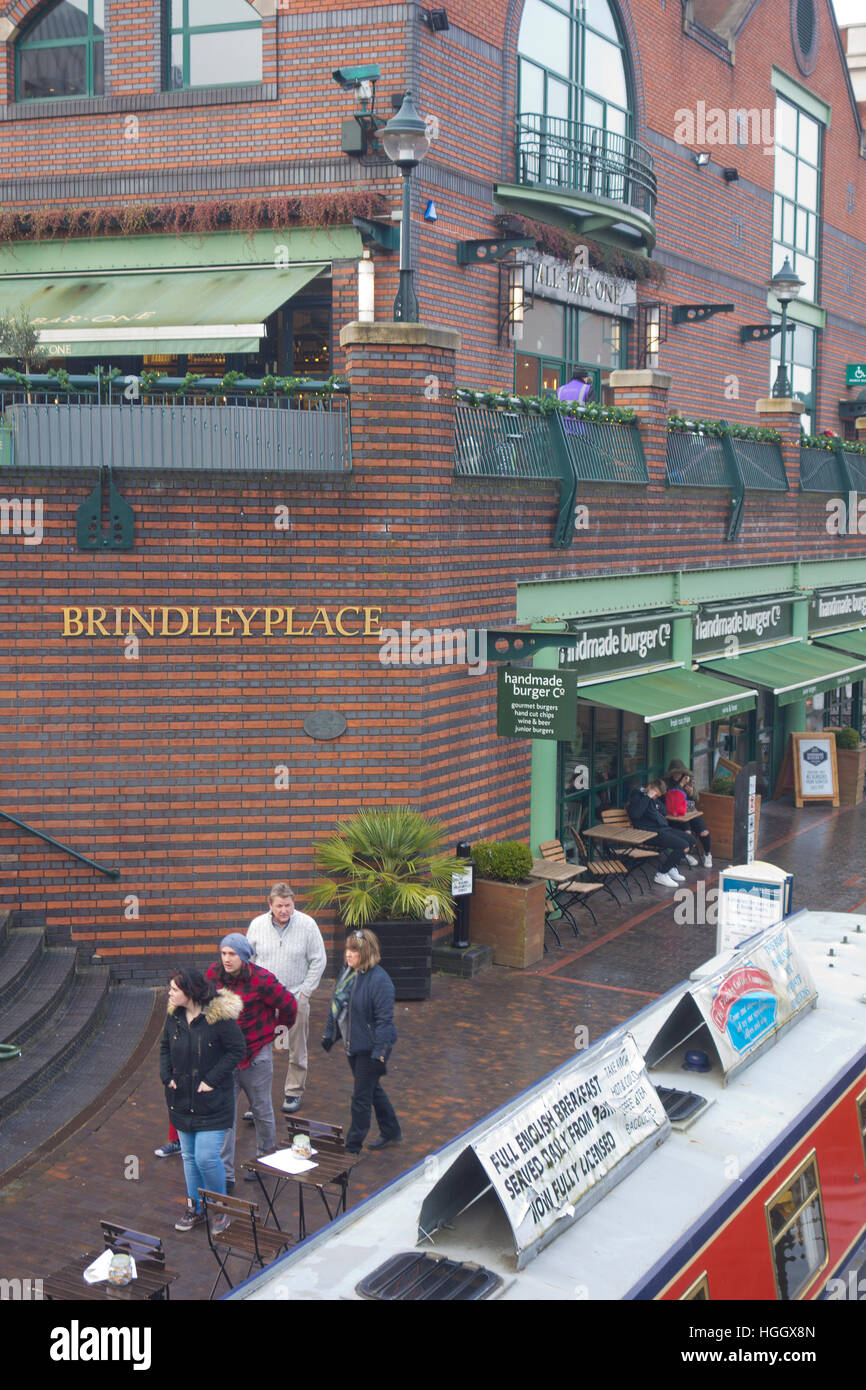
221	620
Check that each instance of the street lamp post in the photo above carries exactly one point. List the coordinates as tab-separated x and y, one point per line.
785	285
405	142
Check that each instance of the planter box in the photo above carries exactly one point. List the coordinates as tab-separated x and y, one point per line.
407	956
851	763
510	918
718	812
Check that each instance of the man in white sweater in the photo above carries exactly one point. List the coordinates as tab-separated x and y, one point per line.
290	945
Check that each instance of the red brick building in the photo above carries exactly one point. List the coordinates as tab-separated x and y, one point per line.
176	201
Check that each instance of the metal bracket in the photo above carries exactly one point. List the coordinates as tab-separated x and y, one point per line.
88	519
696	313
760	332
383	234
520	645
490	248
738	486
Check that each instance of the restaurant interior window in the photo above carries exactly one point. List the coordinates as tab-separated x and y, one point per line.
611	753
795	1218
213	43
61	53
307	337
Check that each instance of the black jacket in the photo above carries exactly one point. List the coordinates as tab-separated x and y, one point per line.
645	813
206	1050
370	1021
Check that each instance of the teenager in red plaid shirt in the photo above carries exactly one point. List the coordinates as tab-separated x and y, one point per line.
266	1003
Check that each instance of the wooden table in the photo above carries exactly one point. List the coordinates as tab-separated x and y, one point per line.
332	1169
684	820
555	870
68	1283
618	834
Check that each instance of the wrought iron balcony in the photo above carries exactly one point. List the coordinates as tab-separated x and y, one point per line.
585	162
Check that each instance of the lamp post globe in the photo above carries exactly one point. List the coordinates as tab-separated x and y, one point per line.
785	285
405	142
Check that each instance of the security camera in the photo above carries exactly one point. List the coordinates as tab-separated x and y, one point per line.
352	79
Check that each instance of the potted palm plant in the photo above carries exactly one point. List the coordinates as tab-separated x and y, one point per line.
507	905
387	869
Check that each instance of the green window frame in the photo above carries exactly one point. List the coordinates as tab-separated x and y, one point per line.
613	765
185	38
592	28
91	41
797	181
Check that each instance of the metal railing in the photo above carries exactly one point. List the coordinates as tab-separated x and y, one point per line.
696	460
761	465
491	443
602	451
556	153
820	471
200	432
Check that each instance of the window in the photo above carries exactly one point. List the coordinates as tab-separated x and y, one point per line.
574	95
799	364
861	1116
798	1238
61	53
610	755
213	43
797	199
700	1290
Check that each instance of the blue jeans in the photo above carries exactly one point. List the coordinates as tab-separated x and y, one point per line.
202	1165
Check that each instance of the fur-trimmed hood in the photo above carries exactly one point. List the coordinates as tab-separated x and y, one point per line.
224	1006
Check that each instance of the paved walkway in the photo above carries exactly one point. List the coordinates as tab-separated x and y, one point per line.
460	1054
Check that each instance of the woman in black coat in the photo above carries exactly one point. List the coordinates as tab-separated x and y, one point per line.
201	1046
362	1014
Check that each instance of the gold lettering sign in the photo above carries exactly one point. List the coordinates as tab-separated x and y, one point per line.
222	620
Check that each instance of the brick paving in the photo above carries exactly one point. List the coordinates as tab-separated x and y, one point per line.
460	1054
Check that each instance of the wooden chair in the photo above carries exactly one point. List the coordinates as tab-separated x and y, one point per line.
562	897
605	872
245	1238
635	855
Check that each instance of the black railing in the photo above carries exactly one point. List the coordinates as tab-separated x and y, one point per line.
570	155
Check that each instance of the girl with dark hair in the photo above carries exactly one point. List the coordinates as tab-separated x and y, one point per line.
362	1014
201	1046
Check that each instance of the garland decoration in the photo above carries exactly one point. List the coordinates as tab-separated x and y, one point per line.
678	424
547	405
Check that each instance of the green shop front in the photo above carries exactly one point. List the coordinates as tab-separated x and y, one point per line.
697	665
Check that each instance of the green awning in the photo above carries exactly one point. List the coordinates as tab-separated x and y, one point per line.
793	671
670	700
852	642
169	311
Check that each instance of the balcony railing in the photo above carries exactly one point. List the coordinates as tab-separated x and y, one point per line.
230	433
579	158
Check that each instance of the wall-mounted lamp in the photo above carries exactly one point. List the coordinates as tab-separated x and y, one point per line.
366	288
701	158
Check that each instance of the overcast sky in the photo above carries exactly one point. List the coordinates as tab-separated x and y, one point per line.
850	11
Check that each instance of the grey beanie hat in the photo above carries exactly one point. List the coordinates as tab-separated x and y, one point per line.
237	942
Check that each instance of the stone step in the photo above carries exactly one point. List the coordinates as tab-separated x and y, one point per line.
49	1050
67	1100
39	996
19	953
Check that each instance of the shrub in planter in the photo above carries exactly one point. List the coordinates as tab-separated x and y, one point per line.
851	766
847	739
722	786
507	910
388	869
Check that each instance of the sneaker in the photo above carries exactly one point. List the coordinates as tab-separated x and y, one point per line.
190	1219
248	1116
168	1150
690	859
708	861
291	1104
230	1186
676	875
665	880
221	1224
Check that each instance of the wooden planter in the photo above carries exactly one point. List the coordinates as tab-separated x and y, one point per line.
851	764
718	812
510	918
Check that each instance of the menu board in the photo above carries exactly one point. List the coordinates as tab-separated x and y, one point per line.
536	703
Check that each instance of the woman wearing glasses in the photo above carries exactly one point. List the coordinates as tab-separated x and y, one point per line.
362	1014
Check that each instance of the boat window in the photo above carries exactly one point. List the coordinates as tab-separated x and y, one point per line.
698	1291
861	1116
798	1236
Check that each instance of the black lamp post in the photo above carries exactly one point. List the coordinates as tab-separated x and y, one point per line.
785	285
405	142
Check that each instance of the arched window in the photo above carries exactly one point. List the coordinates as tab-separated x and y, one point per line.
60	54
573	74
213	43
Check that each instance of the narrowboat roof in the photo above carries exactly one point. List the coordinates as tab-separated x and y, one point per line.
618	1248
